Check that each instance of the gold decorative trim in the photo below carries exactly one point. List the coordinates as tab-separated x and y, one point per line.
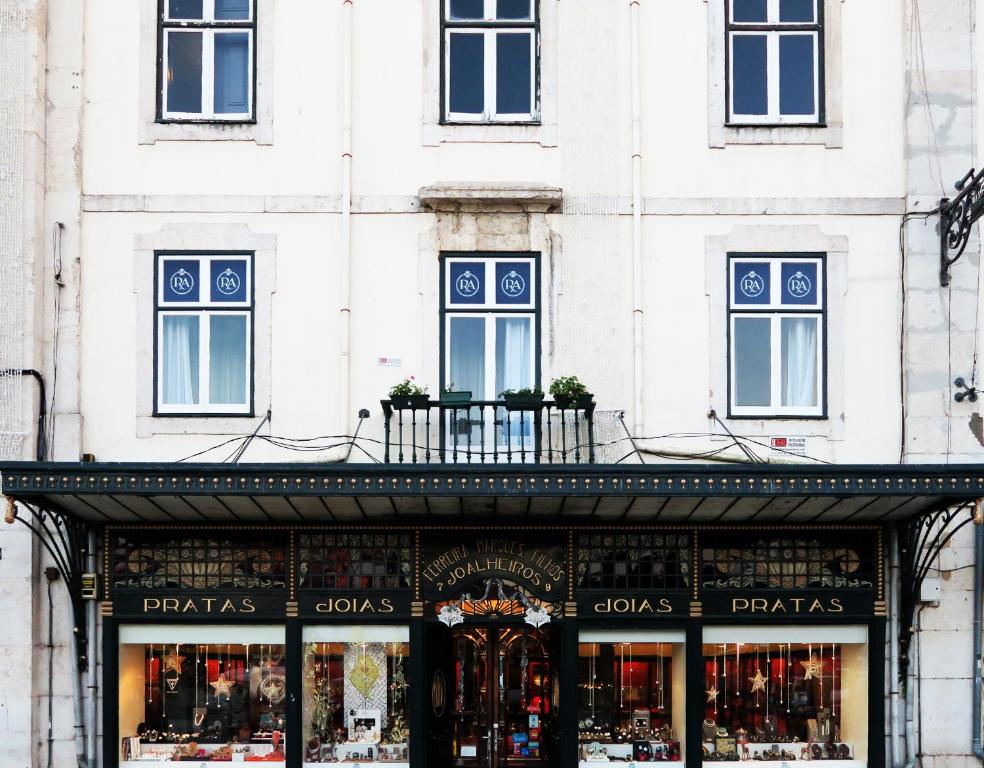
106	608
696	609
570	608
292	609
417	609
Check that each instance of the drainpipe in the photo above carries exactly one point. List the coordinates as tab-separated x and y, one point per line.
637	308
345	265
975	724
90	672
893	631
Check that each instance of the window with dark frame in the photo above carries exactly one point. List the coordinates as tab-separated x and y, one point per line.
491	61
775	62
206	60
777	335
203	345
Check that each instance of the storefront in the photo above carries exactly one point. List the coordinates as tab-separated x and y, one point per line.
492	620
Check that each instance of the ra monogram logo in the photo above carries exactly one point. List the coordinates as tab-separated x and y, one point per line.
227	282
182	282
513	284
752	285
799	285
467	284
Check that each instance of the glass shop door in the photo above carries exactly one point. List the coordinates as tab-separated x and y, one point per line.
503	690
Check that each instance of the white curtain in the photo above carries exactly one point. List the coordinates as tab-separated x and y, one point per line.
799	361
180	365
512	353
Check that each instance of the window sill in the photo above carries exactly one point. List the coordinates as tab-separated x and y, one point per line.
199	424
206	130
434	135
830	135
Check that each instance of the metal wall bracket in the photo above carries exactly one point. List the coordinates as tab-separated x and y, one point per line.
957	217
65	538
920	542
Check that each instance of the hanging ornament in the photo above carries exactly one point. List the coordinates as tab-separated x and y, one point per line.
223	687
173	662
364	674
450	615
811	668
712	694
758	682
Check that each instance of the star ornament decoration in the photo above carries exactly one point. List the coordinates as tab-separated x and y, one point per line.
173	662
222	686
712	694
758	682
811	668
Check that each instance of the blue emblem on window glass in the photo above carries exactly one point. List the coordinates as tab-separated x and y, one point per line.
799	283
512	282
181	280
751	282
229	280
467	283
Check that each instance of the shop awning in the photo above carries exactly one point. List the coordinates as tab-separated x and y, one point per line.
359	493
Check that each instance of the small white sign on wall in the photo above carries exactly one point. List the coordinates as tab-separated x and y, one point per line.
784	446
389	362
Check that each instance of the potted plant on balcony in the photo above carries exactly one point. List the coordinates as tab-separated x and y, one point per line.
409	395
568	391
451	396
525	399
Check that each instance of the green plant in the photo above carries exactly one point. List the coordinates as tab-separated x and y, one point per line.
407	387
448	389
567	386
523	391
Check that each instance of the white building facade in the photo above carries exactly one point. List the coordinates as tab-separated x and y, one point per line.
231	225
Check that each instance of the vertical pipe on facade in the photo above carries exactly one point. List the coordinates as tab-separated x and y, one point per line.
346	234
91	680
893	631
637	289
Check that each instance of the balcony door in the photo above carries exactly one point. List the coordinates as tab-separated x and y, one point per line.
491	343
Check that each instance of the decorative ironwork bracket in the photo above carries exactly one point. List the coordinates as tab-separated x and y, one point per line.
65	538
920	542
957	217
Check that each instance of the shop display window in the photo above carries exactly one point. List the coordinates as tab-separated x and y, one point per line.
631	702
204	693
780	694
356	696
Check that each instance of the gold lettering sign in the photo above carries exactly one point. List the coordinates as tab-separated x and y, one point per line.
635	605
535	566
203	605
355	605
790	605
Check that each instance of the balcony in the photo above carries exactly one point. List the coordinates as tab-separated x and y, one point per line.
419	430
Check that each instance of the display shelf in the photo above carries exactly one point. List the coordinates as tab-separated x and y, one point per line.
775	763
636	763
361	764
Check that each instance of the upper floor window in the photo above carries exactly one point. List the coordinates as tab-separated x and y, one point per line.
204	334
775	62
777	329
491	61
207	60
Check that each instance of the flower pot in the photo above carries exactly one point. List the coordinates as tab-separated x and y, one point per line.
410	402
585	400
523	402
563	401
456	398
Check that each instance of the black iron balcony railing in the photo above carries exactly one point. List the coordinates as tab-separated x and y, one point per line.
420	430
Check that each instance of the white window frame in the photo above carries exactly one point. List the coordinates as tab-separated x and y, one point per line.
775	311
773	30
208	27
528	26
489	317
204	309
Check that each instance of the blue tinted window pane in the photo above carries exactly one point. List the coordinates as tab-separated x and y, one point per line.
229	280
750	10
232	73
513	66
467	9
185	9
799	283
179	367
181	280
512	9
184	72
467	350
227	360
231	10
796	92
752	281
467	74
512	282
796	10
466	283
749	72
753	361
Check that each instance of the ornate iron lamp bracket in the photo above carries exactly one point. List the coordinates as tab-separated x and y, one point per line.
65	538
957	217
